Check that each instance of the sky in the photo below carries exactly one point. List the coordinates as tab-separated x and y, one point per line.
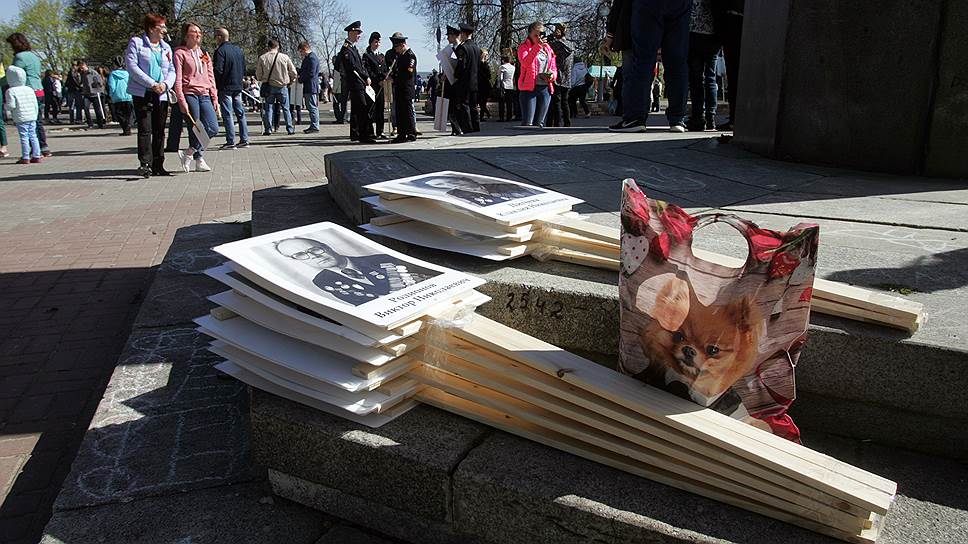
384	16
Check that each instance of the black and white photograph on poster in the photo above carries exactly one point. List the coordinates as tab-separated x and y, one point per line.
333	269
495	198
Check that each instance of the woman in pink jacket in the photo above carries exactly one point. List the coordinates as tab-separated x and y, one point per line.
538	73
197	96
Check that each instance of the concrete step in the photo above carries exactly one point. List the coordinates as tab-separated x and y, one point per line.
855	380
431	477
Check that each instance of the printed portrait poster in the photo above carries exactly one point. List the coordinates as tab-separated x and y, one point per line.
504	201
344	276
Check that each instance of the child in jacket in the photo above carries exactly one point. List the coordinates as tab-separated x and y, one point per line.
21	104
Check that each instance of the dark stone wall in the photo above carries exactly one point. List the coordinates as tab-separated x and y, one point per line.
871	84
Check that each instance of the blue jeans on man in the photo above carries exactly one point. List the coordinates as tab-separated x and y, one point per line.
312	104
278	95
657	23
231	103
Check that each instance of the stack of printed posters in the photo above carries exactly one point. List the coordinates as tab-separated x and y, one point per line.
323	316
492	218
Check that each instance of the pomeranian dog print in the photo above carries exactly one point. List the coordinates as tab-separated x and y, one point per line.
727	339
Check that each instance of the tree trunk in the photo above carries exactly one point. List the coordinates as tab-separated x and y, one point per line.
469	11
262	20
507	18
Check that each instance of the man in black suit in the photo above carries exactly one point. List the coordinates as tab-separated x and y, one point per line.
403	68
353	280
355	81
475	192
376	68
465	87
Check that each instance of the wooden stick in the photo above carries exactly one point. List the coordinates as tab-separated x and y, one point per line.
222	313
508	423
392	219
825	473
529	379
577	257
582	227
675	457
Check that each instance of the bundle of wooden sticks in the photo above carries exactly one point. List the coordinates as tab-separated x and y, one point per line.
562	235
280	338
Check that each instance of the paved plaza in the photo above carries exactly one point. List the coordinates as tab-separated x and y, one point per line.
82	238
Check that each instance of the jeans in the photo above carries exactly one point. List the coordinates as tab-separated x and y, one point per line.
96	102
276	95
150	112
41	133
29	145
203	111
703	49
658	23
534	105
75	104
232	103
312	104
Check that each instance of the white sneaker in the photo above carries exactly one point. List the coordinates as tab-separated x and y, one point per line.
201	166
677	128
186	161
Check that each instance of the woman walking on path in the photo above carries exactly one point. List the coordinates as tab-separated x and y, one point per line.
197	95
151	74
538	73
29	62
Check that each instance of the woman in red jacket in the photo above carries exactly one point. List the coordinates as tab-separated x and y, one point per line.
197	96
538	73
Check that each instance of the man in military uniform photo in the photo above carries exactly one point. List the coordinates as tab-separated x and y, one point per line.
468	62
403	68
376	68
353	280
475	192
355	81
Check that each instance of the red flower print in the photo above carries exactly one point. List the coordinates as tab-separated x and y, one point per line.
783	264
635	212
764	242
659	247
677	222
806	295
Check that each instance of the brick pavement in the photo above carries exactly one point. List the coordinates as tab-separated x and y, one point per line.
79	237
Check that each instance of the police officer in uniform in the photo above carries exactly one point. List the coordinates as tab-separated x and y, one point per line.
376	68
355	80
403	69
468	61
450	86
353	280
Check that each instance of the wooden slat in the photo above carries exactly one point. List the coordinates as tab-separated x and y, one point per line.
508	423
671	456
222	314
369	372
860	314
392	219
527	377
582	227
825	473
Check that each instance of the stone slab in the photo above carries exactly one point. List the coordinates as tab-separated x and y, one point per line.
513	490
539	168
894	187
434	160
405	464
244	513
356	170
168	422
949	122
400	524
272	208
758	172
344	534
180	285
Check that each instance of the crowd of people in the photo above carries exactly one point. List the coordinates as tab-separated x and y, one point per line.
538	83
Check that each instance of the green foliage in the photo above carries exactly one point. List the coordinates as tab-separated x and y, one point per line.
46	23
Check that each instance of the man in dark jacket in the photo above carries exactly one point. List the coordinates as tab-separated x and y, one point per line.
355	81
309	77
402	73
376	67
656	24
229	69
465	87
72	89
92	86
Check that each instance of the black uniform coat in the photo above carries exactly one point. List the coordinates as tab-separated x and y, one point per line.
468	62
351	67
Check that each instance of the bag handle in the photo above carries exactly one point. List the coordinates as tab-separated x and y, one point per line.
741	225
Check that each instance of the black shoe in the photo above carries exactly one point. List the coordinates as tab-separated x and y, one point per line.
725	127
266	133
310	130
695	127
144	171
227	147
290	133
171	150
240	145
159	171
710	124
635	125
368	140
411	138
398	140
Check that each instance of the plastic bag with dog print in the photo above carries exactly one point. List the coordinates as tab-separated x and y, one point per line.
725	338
